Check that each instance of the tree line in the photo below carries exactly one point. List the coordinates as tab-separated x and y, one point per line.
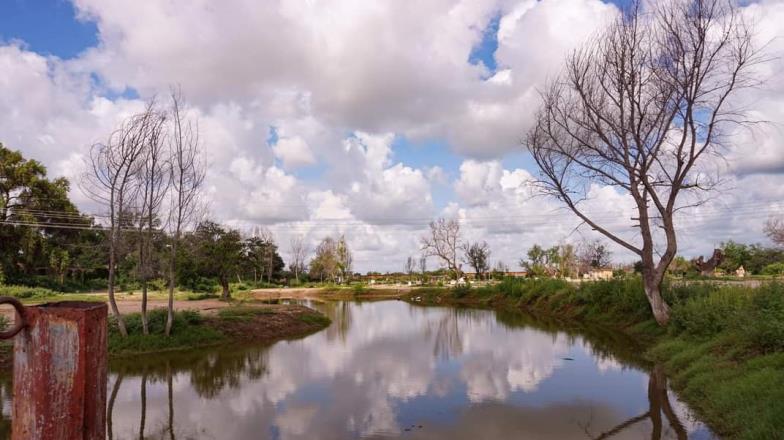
152	232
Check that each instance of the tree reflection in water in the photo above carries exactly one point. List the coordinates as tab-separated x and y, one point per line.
462	374
209	375
659	403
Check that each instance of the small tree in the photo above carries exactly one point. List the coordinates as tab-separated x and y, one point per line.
411	265
109	181
774	229
59	260
299	251
345	260
325	263
443	242
219	252
477	255
187	178
594	255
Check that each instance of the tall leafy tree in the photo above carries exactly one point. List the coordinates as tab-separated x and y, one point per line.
218	252
36	217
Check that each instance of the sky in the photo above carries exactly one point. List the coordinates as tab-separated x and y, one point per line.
367	119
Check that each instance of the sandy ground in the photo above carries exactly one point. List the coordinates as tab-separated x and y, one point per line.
131	304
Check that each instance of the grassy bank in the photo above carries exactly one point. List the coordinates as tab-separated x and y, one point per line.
723	350
192	329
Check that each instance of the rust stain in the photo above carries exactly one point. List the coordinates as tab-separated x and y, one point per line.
60	373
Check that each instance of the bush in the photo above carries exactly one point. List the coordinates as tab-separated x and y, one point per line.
461	291
201	284
201	296
773	269
706	315
25	292
754	318
158	284
238	287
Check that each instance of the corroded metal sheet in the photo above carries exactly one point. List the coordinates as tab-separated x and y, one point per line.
60	373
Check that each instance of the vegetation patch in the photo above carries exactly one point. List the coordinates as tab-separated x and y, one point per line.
25	292
190	330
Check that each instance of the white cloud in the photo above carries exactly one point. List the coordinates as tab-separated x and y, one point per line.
341	81
294	152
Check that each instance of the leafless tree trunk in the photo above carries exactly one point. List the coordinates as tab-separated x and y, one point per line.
187	177
152	180
642	108
299	251
113	167
443	242
410	267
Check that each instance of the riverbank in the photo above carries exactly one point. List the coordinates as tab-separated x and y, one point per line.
194	329
723	350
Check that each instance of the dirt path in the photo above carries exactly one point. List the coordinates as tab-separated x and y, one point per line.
132	304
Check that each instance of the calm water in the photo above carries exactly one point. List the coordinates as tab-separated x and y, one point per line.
389	369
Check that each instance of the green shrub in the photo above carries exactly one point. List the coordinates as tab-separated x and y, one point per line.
201	285
461	290
25	292
774	269
706	315
158	284
201	296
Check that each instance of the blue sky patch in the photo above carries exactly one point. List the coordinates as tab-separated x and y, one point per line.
48	27
484	52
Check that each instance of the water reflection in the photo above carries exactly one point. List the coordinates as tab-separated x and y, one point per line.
387	369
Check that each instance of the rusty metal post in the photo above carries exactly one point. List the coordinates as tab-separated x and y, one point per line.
60	363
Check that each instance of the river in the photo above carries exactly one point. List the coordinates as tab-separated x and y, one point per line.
391	369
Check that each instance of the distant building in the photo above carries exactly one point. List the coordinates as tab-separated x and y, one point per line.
741	272
598	275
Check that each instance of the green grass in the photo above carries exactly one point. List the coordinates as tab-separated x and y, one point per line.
25	292
315	319
723	349
189	330
243	313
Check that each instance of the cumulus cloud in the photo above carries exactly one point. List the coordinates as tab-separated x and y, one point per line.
340	82
293	152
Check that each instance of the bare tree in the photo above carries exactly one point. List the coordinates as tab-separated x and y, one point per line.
593	254
477	255
268	253
152	181
774	229
423	266
187	178
642	108
113	166
444	242
299	252
411	265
